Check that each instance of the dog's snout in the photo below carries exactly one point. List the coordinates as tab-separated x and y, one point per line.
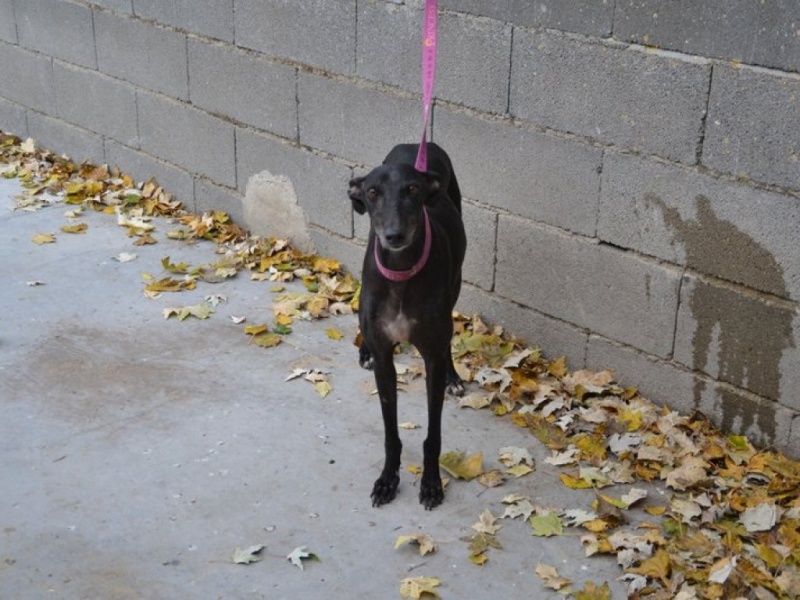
395	237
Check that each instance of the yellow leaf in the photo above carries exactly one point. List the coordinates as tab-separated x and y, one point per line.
414	588
256	329
575	483
592	591
657	566
519	470
77	228
267	340
334	334
323	388
479	559
43	238
558	367
460	466
424	541
283	320
414	469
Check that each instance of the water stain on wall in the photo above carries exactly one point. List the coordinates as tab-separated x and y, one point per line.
748	333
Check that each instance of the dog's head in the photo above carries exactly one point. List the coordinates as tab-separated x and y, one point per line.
393	195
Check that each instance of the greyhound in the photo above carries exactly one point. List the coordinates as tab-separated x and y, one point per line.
411	280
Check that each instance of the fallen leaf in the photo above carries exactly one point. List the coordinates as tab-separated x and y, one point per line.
323	388
125	257
592	591
77	228
492	479
474	400
722	569
44	238
546	525
248	555
334	334
486	523
408	425
424	541
512	456
199	311
549	575
299	554
461	465
415	588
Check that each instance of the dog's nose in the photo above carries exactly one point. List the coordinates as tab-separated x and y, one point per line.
394	237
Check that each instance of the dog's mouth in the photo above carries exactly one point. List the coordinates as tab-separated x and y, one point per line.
394	242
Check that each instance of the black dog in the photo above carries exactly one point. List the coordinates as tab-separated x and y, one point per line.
410	283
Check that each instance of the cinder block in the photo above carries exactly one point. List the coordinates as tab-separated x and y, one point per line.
62	138
481	227
607	291
348	252
760	33
96	102
728	230
320	184
473	54
142	53
554	337
212	18
187	137
589	17
658	380
13	118
8	26
315	32
753	126
57	28
27	78
740	338
208	197
241	86
793	447
143	167
538	176
765	423
641	101
354	122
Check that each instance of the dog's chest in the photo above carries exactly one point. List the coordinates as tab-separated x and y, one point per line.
396	324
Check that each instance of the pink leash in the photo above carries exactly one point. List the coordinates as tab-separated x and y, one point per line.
429	26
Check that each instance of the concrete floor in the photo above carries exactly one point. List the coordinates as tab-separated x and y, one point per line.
137	453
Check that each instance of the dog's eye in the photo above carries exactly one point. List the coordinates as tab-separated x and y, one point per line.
413	190
372	193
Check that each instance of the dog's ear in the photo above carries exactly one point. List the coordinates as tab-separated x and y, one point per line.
356	193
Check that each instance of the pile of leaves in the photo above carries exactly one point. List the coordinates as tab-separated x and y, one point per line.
728	525
47	178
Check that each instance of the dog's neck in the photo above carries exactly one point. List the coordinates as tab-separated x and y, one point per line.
406	274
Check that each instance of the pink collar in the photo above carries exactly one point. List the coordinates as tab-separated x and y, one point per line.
420	264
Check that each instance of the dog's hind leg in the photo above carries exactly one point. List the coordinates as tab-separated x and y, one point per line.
385	487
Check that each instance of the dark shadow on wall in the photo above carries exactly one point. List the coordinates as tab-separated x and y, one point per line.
751	334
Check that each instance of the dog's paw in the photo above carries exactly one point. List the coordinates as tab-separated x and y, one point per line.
385	489
365	358
455	387
431	493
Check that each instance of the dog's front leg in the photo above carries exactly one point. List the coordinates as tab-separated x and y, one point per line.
431	493
385	487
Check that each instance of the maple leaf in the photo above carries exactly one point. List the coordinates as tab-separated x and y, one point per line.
592	591
199	311
512	456
424	541
461	465
656	567
77	228
248	555
692	471
416	588
486	523
551	578
546	525
43	238
299	554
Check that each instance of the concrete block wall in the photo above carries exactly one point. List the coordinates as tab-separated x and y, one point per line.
631	168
